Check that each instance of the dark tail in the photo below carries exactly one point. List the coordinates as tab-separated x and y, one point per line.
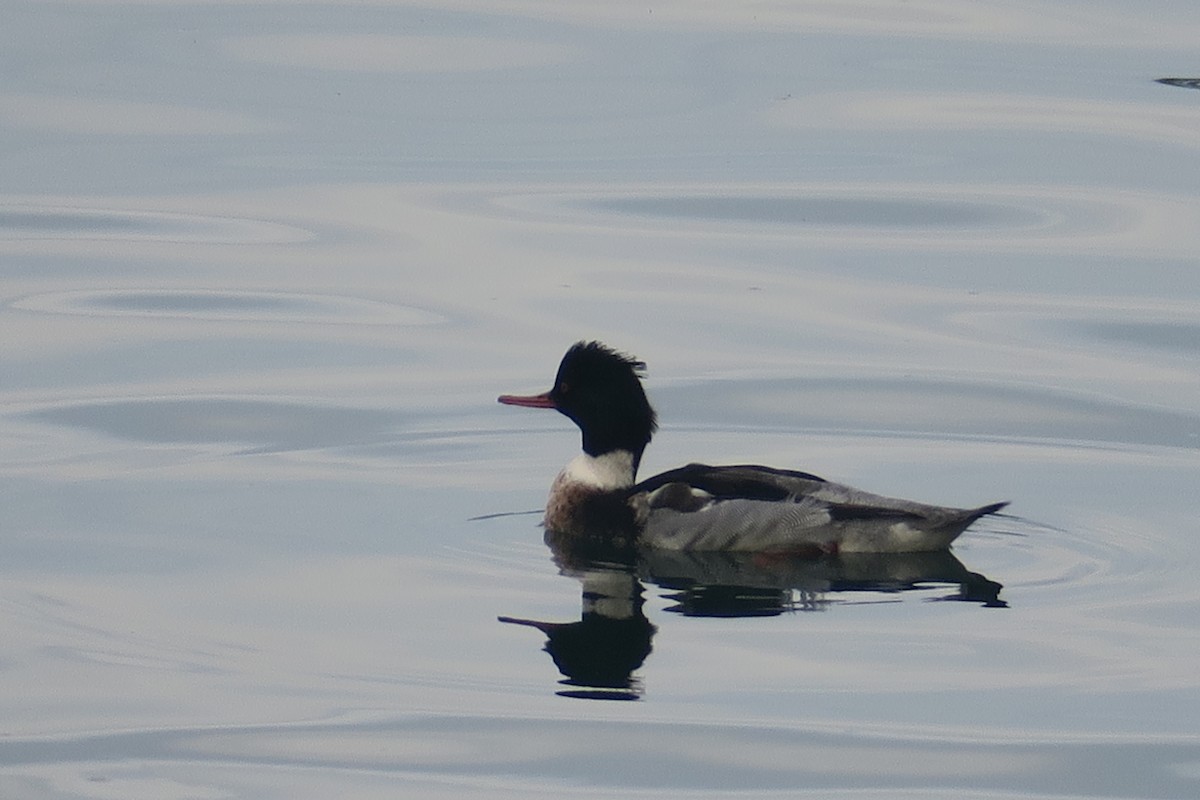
984	511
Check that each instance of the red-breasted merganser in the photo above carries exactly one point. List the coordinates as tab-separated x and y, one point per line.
700	507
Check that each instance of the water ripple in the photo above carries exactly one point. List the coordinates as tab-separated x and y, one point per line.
522	756
933	408
803	209
269	425
223	305
1167	329
20	222
969	111
831	211
914	216
375	52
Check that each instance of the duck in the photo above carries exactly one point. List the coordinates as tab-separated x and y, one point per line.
596	498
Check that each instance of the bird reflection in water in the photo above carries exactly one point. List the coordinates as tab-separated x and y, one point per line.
599	654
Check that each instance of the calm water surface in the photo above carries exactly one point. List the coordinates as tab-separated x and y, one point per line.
264	531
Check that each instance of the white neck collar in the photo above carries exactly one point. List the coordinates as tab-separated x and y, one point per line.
612	470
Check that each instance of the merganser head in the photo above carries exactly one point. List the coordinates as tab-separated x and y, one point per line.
599	389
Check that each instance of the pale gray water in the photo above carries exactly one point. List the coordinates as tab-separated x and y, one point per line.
264	269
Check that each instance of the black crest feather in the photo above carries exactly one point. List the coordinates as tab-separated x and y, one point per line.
600	389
